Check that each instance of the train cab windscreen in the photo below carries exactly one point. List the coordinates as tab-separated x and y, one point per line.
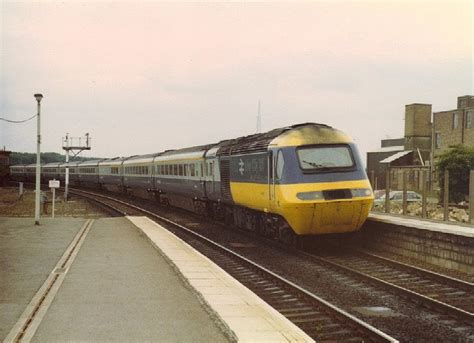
325	157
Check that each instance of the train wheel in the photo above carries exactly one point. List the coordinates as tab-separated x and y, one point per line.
229	217
288	237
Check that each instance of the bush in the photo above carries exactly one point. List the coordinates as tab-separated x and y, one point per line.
459	160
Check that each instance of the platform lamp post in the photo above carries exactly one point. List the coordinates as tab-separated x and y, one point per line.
38	98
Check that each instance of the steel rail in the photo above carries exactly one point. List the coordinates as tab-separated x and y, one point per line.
459	313
468	286
363	328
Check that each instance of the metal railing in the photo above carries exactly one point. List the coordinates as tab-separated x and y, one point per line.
413	192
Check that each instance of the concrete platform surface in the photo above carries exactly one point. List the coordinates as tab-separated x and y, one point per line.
459	229
28	254
122	279
249	317
118	288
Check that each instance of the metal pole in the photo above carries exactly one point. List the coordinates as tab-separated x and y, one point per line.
431	175
54	199
446	196
404	198
387	190
424	192
471	196
38	167
66	187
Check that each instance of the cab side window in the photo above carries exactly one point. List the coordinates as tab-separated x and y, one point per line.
280	164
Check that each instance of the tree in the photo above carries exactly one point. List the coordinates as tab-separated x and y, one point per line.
45	157
459	160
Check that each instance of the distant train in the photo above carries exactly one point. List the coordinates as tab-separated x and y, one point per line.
304	179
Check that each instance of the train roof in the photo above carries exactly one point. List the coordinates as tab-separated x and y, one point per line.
258	142
113	161
310	134
191	153
51	164
71	164
89	163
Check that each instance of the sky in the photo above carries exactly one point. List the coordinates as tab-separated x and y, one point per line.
146	76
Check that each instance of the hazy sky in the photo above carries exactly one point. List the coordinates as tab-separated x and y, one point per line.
143	77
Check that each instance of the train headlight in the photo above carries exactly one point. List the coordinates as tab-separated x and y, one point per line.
361	192
310	195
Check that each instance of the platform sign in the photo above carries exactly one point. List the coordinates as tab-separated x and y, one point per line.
53	183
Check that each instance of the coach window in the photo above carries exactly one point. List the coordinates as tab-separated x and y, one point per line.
280	163
191	167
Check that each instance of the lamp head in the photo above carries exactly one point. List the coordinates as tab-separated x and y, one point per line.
38	97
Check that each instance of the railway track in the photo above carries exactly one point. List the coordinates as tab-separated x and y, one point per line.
439	292
315	316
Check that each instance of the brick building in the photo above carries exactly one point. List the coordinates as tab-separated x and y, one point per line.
454	127
449	128
412	150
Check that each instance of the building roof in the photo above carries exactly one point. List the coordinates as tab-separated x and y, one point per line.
390	148
396	156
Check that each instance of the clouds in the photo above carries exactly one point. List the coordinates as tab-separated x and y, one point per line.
146	76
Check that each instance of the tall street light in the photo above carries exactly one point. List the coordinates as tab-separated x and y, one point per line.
38	98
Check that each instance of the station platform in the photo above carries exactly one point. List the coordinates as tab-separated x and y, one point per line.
122	279
453	228
448	245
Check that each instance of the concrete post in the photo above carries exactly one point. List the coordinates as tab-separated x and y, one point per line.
66	177
424	192
54	200
446	196
20	191
404	198
471	197
38	166
387	190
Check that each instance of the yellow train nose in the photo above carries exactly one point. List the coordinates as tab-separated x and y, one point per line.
328	217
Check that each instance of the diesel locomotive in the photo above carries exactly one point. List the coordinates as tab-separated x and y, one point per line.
305	179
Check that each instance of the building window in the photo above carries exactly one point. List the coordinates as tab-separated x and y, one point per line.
455	120
437	140
468	119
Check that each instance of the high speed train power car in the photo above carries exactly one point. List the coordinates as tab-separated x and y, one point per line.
304	179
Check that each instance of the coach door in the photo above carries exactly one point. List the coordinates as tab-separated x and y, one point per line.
271	180
276	164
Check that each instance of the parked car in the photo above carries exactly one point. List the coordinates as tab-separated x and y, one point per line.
398	197
378	193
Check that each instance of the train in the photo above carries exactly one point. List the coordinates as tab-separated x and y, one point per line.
300	180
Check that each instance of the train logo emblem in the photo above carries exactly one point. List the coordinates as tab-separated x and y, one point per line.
241	169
